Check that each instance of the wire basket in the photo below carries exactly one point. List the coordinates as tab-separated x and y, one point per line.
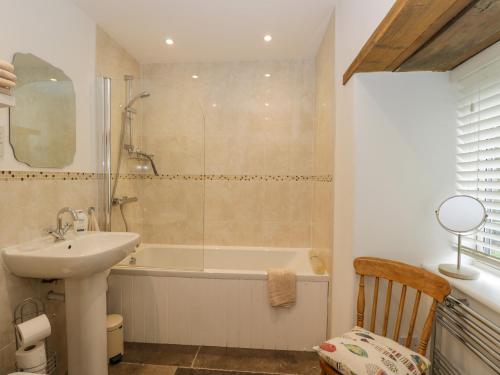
48	368
28	309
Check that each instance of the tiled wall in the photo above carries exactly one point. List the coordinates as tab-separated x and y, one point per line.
322	211
30	200
114	62
242	159
30	204
232	121
249	136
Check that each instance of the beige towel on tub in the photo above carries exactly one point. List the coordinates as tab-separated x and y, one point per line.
281	287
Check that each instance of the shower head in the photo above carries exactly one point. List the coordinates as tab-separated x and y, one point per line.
141	95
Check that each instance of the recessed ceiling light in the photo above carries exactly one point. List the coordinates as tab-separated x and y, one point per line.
267	75
268	38
266	104
214	105
169	41
194	76
53	80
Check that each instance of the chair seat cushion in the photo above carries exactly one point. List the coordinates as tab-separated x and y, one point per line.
361	352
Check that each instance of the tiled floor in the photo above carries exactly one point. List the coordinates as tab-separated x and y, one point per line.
164	359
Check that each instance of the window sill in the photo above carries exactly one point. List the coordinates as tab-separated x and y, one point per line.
485	290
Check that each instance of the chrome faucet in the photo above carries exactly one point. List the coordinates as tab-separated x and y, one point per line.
61	230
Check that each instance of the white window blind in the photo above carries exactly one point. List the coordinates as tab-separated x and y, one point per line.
478	152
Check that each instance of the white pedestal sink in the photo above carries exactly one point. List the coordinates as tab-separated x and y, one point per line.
81	260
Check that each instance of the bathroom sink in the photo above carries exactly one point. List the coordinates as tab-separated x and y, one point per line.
81	260
78	256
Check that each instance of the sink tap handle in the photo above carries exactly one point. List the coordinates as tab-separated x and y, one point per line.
54	233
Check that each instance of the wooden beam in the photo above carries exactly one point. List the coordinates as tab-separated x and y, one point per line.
476	29
406	28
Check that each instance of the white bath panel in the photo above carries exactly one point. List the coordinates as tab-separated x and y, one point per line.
127	304
114	293
160	290
244	291
217	312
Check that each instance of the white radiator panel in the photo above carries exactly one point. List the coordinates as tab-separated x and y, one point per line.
461	331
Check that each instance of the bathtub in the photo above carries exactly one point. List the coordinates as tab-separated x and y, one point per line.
217	296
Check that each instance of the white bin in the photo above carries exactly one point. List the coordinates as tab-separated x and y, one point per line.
114	323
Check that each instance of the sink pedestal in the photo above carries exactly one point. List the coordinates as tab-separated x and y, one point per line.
86	325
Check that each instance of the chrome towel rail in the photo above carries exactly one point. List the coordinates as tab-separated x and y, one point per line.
478	334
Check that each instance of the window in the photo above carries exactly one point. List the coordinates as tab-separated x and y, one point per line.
478	153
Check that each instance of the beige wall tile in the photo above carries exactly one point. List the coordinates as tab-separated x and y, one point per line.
258	124
7	359
232	120
114	61
322	208
276	233
258	213
29	207
177	153
132	211
325	112
173	211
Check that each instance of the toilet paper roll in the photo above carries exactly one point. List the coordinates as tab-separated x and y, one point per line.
32	356
33	330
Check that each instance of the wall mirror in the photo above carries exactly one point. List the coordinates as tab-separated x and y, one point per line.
43	122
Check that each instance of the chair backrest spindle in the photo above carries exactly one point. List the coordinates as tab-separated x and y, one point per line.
387	307
419	279
413	319
374	304
401	307
426	332
361	302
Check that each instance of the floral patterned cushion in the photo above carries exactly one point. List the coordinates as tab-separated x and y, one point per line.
361	352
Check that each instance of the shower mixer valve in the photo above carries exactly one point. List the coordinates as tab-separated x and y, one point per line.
123	200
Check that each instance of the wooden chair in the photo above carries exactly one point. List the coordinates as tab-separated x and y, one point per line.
409	276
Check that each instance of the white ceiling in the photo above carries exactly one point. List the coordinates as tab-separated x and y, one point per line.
212	30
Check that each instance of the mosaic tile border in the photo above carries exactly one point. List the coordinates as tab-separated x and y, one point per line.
220	177
78	176
43	175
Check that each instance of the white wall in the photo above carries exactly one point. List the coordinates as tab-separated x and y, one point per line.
404	164
394	160
355	20
60	33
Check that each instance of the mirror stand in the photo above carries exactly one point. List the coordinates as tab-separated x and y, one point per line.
458	271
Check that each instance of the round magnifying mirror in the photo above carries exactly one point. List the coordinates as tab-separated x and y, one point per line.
461	215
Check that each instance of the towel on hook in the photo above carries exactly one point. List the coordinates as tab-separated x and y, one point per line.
6	66
281	287
93	225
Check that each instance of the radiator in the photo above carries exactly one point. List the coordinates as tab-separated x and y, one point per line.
480	336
